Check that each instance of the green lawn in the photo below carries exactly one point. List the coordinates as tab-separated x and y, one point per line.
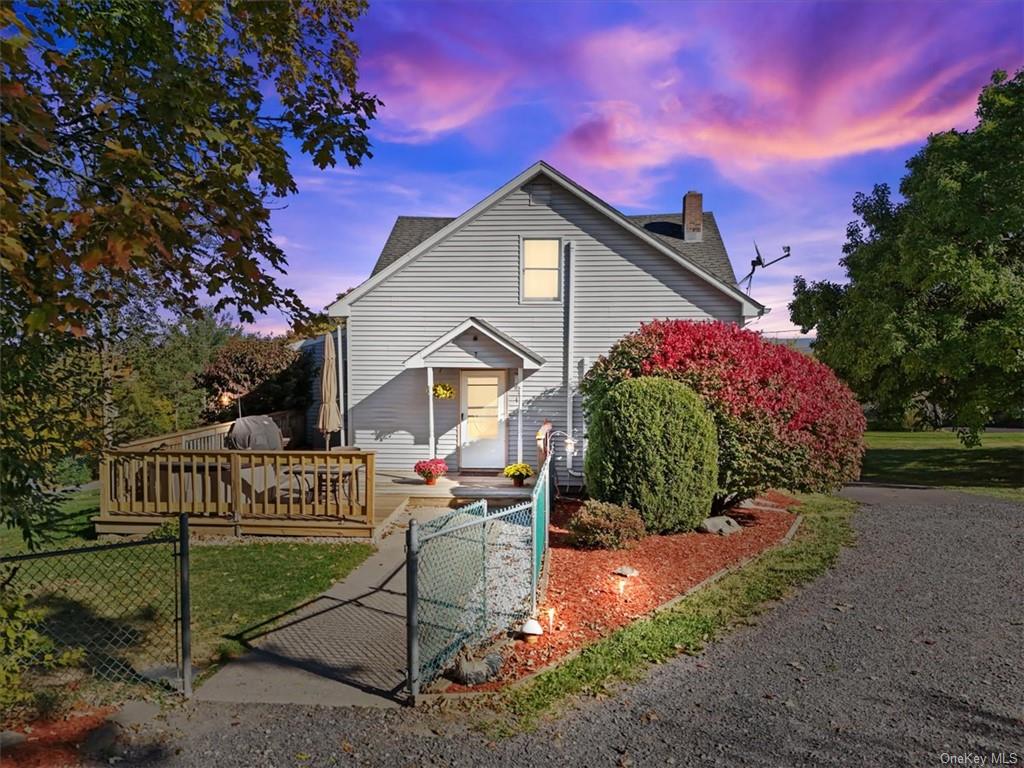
235	586
996	467
689	625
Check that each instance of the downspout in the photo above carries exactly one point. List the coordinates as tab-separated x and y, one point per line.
570	344
340	359
350	427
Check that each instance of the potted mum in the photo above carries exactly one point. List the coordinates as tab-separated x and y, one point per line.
430	470
518	473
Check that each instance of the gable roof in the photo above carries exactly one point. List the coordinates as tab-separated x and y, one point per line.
751	308
531	361
710	253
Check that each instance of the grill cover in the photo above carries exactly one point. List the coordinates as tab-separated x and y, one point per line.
255	433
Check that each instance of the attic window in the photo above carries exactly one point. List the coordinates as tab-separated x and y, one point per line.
541	269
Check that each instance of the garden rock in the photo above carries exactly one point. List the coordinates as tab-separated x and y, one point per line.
626	570
10	739
477	671
719	524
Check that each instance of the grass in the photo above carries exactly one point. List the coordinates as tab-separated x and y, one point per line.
995	468
690	624
234	586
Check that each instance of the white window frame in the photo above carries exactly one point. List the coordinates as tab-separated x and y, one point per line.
522	269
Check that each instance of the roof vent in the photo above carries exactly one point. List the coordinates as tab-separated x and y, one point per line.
693	217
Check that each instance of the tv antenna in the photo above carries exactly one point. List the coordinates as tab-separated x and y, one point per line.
760	262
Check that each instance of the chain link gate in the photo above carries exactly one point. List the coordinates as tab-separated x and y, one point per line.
471	574
120	612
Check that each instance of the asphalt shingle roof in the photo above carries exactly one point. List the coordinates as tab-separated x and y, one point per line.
709	254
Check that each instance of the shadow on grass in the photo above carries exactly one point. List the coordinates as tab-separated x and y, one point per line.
992	467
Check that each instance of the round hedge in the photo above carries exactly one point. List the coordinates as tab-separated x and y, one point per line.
653	446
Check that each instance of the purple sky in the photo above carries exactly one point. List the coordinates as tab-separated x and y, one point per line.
778	112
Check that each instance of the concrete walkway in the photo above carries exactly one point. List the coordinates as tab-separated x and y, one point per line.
344	648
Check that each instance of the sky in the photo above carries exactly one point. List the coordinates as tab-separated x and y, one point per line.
778	112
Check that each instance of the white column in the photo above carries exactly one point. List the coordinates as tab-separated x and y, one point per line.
430	411
519	416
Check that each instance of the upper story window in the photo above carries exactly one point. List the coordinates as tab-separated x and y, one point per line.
541	269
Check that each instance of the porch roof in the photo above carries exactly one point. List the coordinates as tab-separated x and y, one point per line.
519	355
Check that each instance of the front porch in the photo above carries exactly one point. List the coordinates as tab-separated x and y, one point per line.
403	485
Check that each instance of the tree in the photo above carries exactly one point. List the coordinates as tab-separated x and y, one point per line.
931	317
138	143
266	374
143	150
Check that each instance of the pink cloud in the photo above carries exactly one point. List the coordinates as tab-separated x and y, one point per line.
756	93
429	91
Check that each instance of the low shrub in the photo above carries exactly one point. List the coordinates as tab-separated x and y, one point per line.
600	525
652	445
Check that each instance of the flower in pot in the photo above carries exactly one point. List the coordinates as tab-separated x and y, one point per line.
431	469
518	473
443	392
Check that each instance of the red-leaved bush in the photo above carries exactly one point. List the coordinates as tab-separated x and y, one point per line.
784	419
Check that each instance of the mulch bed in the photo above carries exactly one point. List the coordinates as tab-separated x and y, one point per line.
55	743
586	597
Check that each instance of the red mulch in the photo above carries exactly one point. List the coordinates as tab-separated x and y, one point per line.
54	743
585	594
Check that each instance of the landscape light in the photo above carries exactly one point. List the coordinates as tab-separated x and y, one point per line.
531	630
551	619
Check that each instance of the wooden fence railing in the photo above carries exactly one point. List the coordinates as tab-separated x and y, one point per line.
211	437
233	487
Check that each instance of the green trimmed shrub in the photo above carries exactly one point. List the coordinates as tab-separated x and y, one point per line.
600	525
652	445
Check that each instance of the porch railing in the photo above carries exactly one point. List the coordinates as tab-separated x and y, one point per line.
211	437
239	486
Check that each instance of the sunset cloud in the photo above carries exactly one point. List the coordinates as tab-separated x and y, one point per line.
779	111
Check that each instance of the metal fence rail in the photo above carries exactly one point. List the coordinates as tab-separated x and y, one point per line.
119	612
472	574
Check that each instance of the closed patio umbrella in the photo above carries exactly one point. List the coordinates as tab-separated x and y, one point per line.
329	418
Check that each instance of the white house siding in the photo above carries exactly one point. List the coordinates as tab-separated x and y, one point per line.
620	282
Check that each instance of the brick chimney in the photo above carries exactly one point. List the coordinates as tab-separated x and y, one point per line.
693	217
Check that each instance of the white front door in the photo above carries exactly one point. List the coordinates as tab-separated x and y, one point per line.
482	425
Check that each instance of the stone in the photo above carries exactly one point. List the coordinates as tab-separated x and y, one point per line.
626	570
720	524
477	671
101	742
134	713
10	739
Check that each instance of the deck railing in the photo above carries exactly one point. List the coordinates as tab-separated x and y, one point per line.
211	437
230	489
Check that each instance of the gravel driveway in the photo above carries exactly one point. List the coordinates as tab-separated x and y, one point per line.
912	647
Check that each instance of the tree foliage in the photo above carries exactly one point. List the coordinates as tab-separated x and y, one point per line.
651	445
784	420
139	144
932	314
266	374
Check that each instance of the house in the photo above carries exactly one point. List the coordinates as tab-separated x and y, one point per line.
508	304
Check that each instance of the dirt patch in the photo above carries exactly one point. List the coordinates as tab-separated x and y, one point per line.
590	602
55	743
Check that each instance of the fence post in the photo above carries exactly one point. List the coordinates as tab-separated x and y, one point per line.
186	607
412	646
533	554
236	492
483	564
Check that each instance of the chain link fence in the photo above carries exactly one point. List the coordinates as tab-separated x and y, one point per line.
472	574
116	612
